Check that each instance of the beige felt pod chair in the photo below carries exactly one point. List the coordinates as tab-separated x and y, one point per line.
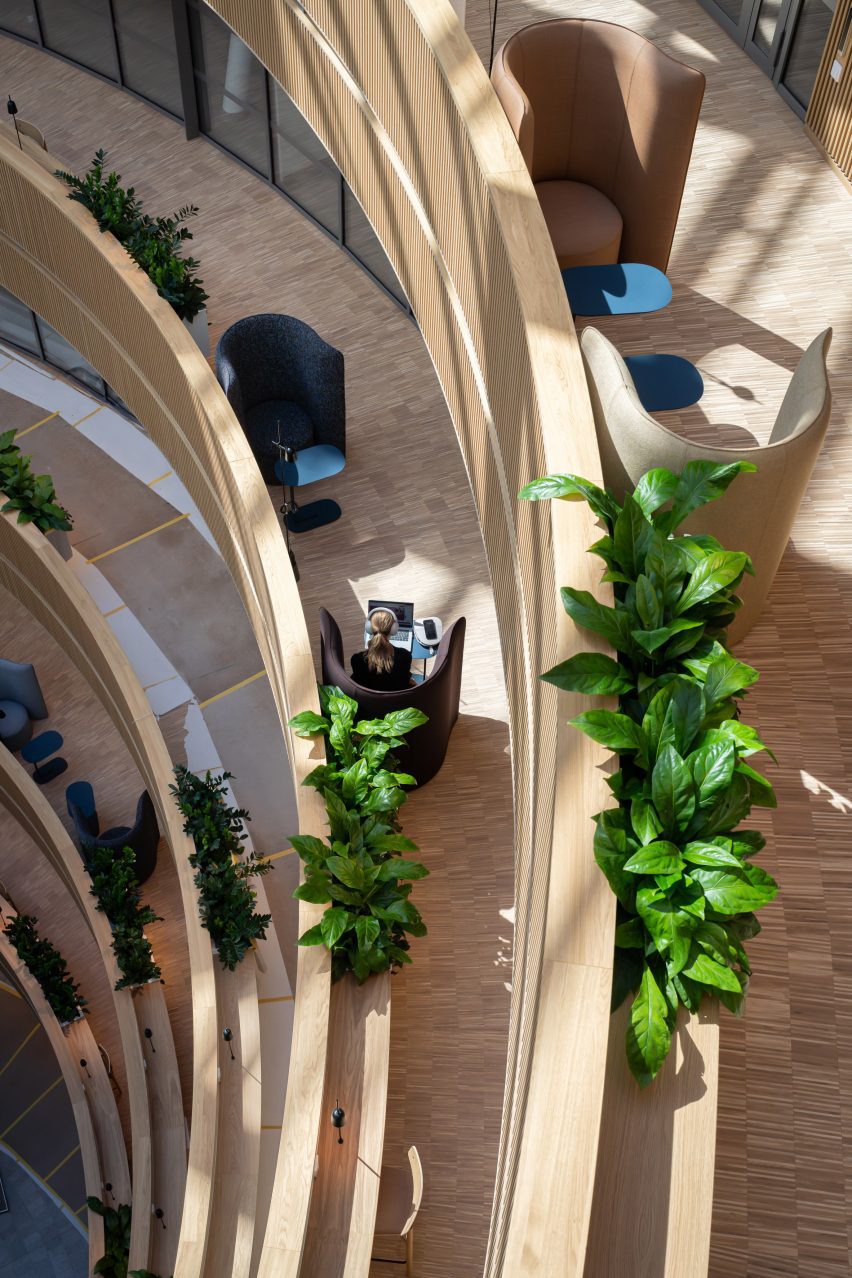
757	512
400	1195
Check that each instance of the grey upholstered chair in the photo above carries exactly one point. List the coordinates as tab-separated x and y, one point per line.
438	696
277	372
19	682
756	514
143	836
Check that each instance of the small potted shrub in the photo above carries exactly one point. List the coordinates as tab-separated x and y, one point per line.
116	891
33	497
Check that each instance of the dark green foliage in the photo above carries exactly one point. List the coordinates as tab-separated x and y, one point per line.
32	496
47	966
683	875
117	893
117	1220
222	870
356	871
154	243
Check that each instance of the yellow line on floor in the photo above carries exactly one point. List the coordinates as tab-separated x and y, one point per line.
277	998
31	1106
276	856
133	540
35	425
113	611
160	478
80	420
61	1164
79	1209
35	1029
227	692
8	989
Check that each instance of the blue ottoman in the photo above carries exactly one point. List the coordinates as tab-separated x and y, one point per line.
39	748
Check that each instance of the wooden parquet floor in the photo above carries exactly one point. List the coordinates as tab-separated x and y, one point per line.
761	263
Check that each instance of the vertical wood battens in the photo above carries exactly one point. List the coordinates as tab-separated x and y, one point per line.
829	116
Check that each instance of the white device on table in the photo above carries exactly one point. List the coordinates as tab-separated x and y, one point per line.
428	631
402	631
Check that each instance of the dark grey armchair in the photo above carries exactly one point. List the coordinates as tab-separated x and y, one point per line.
276	371
438	696
143	836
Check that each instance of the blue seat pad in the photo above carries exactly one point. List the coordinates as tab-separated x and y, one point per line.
665	383
311	464
626	288
41	746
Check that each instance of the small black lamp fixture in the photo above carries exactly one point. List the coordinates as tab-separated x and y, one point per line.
84	1065
149	1034
13	111
108	1188
338	1120
159	1213
228	1035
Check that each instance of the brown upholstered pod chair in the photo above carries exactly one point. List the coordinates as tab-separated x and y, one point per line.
605	122
757	512
400	1195
438	696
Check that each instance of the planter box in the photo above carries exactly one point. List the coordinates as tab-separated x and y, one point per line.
58	539
199	331
65	1025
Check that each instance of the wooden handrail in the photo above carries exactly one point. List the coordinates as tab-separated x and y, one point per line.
24	801
71	1076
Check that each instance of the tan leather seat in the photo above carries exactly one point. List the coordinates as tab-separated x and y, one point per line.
584	225
597	107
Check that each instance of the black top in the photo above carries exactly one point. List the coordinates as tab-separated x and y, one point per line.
393	680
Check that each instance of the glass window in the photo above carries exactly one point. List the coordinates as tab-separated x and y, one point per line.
360	238
231	87
146	42
19	17
63	355
303	167
809	39
767	24
82	31
16	324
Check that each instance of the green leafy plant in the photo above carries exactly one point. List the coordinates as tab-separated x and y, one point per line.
116	890
47	966
681	869
356	872
117	1220
154	243
222	869
32	496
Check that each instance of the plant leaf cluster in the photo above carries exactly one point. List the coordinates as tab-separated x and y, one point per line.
154	243
32	496
222	867
48	967
117	893
358	872
117	1220
682	871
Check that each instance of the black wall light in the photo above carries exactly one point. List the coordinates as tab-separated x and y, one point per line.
338	1120
13	111
228	1035
149	1034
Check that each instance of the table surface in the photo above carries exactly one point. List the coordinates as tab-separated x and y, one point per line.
41	746
320	461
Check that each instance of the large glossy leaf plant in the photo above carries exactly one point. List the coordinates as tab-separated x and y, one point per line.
672	851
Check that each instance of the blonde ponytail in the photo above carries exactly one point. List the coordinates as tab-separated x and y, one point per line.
380	648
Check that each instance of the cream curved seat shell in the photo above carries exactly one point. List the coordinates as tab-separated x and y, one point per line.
757	513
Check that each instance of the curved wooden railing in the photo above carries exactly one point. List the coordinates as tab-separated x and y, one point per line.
36	575
54	258
23	799
71	1076
402	103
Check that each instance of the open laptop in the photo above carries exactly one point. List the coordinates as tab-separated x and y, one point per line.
404	613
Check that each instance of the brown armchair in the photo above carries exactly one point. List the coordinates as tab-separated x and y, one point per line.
605	122
438	696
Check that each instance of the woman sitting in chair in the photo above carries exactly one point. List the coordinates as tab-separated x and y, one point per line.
381	666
